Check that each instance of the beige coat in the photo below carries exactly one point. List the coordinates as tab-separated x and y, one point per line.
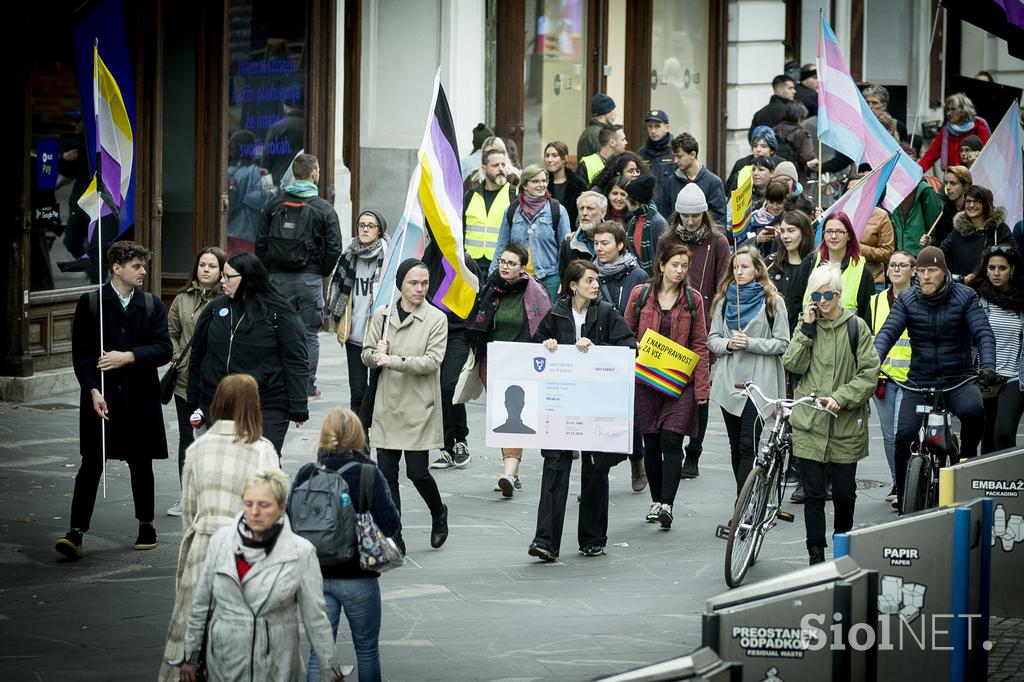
407	409
181	323
878	243
211	494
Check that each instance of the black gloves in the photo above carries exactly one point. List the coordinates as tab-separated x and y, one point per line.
988	376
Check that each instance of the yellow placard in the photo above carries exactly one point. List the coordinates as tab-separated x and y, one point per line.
662	352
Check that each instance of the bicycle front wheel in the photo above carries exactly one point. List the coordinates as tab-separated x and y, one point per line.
917	493
744	528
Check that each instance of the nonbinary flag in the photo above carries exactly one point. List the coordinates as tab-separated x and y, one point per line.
741	203
847	124
860	202
114	145
998	167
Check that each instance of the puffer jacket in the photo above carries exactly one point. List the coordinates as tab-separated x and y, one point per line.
820	352
965	244
944	327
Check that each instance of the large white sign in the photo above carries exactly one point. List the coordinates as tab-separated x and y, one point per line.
566	400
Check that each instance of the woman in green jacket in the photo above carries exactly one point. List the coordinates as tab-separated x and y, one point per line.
822	351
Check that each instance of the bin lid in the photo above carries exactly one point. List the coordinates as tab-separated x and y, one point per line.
703	661
827	572
905	519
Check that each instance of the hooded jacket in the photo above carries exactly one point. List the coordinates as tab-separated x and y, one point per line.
709	183
964	245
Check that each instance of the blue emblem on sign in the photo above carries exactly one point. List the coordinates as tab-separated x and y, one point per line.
539	363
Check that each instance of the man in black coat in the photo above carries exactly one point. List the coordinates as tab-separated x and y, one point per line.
783	92
807	89
120	386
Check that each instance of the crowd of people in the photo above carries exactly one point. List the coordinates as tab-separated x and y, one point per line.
628	242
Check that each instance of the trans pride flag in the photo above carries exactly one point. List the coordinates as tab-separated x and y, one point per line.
860	202
847	124
998	167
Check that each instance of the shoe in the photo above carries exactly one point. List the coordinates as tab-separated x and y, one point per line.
653	512
592	550
891	497
439	528
665	516
798	495
175	509
542	553
689	469
315	394
147	537
516	483
445	461
460	456
817	556
639	475
507	486
70	546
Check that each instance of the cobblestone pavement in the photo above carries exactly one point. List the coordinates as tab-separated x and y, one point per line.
478	609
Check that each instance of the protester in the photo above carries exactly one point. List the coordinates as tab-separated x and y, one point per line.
689	170
510	307
532	224
669	308
790	130
797	199
603	114
618	269
976	228
646	226
889	396
877	241
999	281
135	344
618	202
582	319
842	376
626	165
252	329
761	170
657	150
783	92
877	97
472	162
970	148
564	185
763	145
203	286
346	586
914	217
351	293
484	206
840	245
961	121
612	141
258	580
407	402
591	208
297	269
956	180
945	324
764	221
807	88
795	242
218	465
749	333
511	168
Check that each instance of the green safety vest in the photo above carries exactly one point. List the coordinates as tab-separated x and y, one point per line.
482	226
897	362
851	282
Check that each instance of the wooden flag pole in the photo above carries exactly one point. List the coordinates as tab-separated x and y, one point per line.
932	228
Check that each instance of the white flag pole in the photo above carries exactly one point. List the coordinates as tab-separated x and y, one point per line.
391	303
99	243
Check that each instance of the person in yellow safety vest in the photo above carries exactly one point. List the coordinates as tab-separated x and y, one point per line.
839	245
888	395
484	207
613	141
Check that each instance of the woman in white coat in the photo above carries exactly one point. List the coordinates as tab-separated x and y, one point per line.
258	579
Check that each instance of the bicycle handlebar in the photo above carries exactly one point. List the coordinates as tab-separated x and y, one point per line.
933	389
810	400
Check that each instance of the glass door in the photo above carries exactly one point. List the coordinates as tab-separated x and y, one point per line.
679	65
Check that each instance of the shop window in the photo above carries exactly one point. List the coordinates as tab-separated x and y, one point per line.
679	65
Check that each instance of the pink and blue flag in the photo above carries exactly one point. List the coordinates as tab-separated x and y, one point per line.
847	124
998	167
860	202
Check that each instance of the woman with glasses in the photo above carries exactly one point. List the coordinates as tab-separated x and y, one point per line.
843	375
961	122
840	246
976	228
351	293
251	329
999	281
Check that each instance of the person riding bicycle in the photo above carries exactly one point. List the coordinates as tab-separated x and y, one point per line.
831	350
944	320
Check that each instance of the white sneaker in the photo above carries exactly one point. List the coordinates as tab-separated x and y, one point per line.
653	513
175	509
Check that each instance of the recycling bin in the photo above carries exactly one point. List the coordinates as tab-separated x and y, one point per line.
703	665
933	601
999	477
806	626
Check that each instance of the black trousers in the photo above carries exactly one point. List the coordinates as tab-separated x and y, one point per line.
695	445
592	528
358	375
1002	417
815	475
275	427
453	416
638	447
417	468
88	479
185	435
663	459
744	436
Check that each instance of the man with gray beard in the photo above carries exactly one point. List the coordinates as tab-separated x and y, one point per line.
591	207
484	207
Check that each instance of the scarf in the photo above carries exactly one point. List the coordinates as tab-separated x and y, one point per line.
531	205
580	241
643	221
623	264
695	237
1008	300
344	277
302	188
251	549
960	128
480	322
751	299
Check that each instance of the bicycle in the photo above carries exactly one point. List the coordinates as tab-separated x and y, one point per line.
759	505
935	447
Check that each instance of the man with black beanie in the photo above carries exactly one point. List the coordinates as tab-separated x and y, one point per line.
602	111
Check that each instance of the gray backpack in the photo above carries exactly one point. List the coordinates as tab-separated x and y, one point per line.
320	510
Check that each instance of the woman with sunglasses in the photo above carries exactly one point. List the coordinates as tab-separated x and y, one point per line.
844	377
999	281
976	228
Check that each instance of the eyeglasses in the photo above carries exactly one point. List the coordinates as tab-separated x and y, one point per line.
817	296
900	266
225	275
507	263
835	233
367	226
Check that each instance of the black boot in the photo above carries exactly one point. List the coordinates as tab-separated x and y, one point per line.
439	528
816	554
690	463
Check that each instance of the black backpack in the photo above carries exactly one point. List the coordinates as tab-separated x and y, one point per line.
556	214
290	234
320	510
645	293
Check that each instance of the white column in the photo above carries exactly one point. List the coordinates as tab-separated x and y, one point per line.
463	39
342	175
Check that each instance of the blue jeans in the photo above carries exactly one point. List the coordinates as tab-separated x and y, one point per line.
888	414
360	598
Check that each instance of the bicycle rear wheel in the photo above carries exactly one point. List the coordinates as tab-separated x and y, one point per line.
743	530
917	493
774	498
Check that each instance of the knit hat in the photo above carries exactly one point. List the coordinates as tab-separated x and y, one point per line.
529	173
972	142
380	219
481	133
932	256
641	189
601	104
786	169
404	268
691	200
